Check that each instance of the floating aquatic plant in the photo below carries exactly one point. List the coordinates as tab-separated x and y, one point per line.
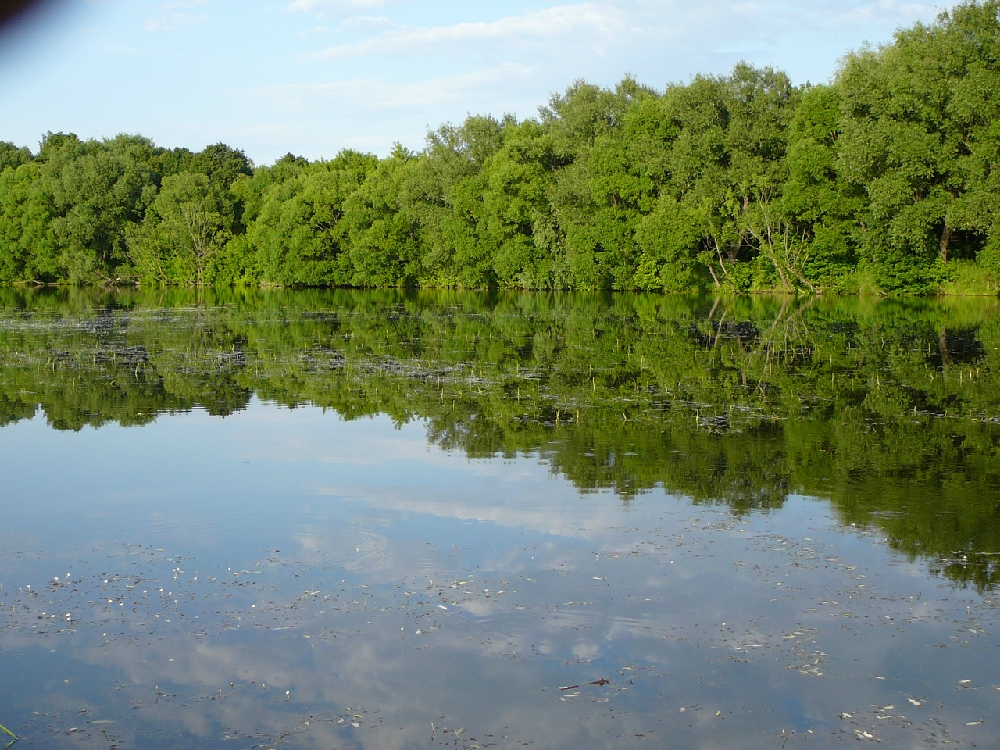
10	734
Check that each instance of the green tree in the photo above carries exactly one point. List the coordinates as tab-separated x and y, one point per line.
727	170
11	156
221	163
918	136
384	241
184	229
442	191
822	206
28	244
610	149
515	226
298	236
98	189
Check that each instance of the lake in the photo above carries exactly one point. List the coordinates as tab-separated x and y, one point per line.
336	519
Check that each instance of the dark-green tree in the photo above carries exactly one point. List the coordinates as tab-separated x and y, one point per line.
918	134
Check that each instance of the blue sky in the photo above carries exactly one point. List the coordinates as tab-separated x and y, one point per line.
315	76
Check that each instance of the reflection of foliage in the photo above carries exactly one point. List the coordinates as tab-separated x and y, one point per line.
889	409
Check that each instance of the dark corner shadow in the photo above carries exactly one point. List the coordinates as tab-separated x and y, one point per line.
12	11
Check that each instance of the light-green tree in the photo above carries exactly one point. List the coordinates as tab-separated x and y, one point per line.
186	226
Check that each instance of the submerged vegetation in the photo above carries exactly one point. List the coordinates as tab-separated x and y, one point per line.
882	181
888	409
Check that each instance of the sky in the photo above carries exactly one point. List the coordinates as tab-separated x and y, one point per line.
315	76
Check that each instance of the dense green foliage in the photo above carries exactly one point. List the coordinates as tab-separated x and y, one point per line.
891	409
882	181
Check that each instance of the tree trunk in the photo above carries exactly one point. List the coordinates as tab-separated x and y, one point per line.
945	239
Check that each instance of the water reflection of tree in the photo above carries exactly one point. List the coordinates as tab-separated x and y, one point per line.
735	401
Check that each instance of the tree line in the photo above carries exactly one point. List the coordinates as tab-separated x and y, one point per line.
882	181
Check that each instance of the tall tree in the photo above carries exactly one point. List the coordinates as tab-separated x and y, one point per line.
919	122
186	226
28	245
298	235
98	189
823	208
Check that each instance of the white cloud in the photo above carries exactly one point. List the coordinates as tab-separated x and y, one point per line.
828	14
182	5
176	15
174	21
545	24
322	7
901	13
373	95
367	22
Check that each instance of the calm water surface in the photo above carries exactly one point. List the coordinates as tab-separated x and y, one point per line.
376	520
